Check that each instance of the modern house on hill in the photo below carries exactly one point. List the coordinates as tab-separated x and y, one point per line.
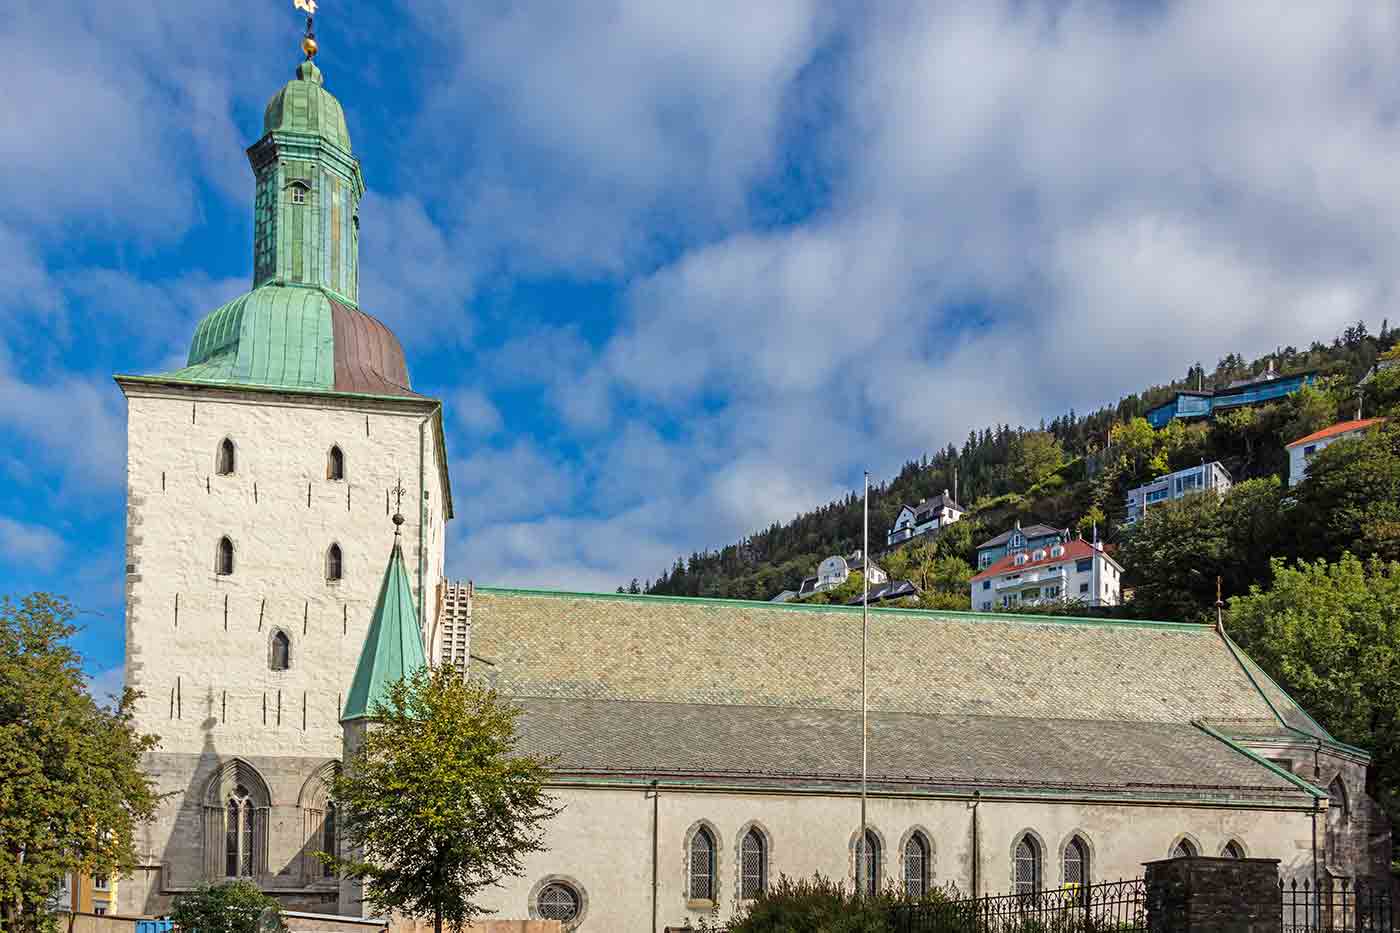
1206	403
1305	448
929	515
1076	570
1176	486
1018	539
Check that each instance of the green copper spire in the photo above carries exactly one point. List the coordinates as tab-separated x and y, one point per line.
394	644
306	218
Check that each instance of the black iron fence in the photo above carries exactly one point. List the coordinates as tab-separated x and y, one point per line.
1118	906
1337	906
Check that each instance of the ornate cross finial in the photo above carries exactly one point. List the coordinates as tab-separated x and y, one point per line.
308	42
398	492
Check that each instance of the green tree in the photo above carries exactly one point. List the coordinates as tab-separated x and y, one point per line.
1350	499
71	786
1034	456
1330	634
436	800
235	907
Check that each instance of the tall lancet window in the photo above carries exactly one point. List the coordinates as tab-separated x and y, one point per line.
868	857
223	559
333	563
702	865
238	834
335	464
281	652
328	836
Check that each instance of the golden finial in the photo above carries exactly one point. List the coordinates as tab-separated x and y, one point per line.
308	42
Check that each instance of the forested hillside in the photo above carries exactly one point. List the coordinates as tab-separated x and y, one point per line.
1072	471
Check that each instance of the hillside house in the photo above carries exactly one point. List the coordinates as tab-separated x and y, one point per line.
929	515
1177	485
1305	448
1206	403
1018	539
1074	570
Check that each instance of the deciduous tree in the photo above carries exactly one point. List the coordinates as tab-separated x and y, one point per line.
235	907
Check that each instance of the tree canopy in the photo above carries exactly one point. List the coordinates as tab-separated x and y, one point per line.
436	803
235	907
71	786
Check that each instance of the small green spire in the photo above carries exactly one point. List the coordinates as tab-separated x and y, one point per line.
393	646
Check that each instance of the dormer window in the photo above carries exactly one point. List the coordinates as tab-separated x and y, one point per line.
1020	559
1057	551
299	191
1040	555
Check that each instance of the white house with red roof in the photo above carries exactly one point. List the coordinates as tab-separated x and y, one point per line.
1305	448
1069	570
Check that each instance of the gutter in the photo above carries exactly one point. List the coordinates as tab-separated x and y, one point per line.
422	516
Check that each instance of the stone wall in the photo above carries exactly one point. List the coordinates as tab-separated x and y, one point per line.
1213	895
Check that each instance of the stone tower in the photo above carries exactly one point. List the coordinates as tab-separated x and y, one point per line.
260	478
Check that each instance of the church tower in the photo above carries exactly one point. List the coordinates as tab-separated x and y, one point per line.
260	477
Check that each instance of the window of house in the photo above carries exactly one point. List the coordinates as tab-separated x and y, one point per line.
1083	587
986	584
1057	550
1076	862
101	883
281	652
754	879
223	561
1020	559
298	194
557	901
1027	868
868	858
335	464
1051	592
99	911
1031	593
227	458
1232	850
1184	849
238	834
987	605
328	840
1309	450
702	865
916	865
1084	565
334	563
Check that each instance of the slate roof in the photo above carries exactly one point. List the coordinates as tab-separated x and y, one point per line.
892	589
739	742
663	684
1030	531
935	504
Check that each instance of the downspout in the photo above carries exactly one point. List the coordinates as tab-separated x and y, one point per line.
655	825
976	848
422	515
1317	892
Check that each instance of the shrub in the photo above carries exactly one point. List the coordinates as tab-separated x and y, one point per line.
820	905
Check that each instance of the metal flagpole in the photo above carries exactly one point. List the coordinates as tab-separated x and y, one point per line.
862	856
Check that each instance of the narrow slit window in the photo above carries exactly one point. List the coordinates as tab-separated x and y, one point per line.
335	464
328	836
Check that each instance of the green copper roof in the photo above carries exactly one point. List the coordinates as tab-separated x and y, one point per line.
274	335
307	108
393	646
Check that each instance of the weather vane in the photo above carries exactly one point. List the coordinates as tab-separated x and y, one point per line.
308	42
398	492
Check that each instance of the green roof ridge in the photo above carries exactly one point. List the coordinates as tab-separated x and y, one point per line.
1240	658
1315	792
393	646
960	614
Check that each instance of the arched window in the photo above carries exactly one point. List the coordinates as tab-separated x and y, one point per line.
227	459
1027	865
916	865
335	464
1337	800
1184	849
557	901
333	563
281	652
238	834
328	835
299	191
754	852
1076	862
868	860
702	865
223	561
1232	850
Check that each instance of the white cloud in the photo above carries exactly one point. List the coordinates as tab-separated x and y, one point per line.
475	413
34	546
87	444
106	686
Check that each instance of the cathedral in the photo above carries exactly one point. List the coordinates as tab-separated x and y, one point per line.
288	495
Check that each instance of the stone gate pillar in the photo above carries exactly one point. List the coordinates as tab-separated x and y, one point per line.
1213	895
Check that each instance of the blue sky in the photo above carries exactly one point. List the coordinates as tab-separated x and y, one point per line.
679	270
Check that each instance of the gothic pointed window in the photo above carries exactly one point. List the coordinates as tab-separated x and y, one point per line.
1027	865
916	865
328	835
702	865
1076	862
223	561
755	865
868	858
1337	800
335	464
1185	848
1233	850
333	563
227	458
281	652
239	834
